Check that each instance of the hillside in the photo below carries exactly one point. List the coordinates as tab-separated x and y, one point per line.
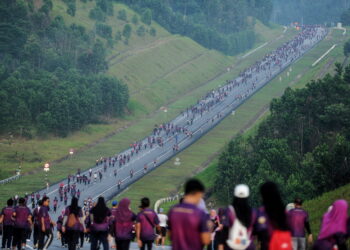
146	64
318	206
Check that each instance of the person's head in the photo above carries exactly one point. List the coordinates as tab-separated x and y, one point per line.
40	203
46	201
114	203
22	201
145	202
298	202
273	205
10	202
161	210
213	213
241	204
194	191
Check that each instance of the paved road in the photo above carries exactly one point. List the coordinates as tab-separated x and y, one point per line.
194	123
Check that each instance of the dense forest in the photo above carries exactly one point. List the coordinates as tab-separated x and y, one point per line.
224	25
303	145
52	76
308	11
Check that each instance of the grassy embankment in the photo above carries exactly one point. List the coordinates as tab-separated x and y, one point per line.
158	70
205	151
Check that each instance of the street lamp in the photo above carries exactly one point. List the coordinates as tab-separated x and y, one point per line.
46	169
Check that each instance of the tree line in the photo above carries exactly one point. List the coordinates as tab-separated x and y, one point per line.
308	11
303	145
52	76
224	25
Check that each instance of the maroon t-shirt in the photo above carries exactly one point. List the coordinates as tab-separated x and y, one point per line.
187	222
77	225
148	219
21	218
44	213
7	212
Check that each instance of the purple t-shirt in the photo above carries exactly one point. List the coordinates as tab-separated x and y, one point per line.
186	223
44	213
21	218
148	219
7	212
77	225
297	218
100	226
123	229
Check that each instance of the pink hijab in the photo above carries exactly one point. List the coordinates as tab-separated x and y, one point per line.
335	220
123	212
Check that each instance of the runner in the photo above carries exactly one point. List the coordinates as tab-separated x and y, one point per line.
163	221
6	220
123	223
23	221
188	225
146	221
298	220
45	224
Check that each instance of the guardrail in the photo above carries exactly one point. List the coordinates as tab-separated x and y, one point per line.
10	179
167	199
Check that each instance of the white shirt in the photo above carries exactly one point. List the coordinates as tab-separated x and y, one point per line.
162	220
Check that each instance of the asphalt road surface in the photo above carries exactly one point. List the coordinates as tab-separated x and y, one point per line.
202	122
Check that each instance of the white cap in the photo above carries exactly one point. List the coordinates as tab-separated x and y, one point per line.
242	191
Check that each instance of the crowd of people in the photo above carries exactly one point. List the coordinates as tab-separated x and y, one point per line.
188	224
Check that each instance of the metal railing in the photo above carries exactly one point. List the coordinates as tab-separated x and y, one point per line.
10	179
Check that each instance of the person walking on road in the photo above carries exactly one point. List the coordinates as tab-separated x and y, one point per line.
146	222
45	224
163	222
99	224
22	222
298	220
123	225
6	220
188	224
72	223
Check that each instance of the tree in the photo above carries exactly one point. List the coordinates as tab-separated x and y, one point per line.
141	31
135	19
146	16
122	15
347	48
153	32
127	31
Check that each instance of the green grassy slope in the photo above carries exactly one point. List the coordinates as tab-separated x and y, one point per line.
162	70
205	151
318	206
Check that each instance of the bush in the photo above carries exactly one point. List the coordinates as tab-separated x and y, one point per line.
141	31
97	14
153	32
104	30
146	16
127	31
135	19
122	15
118	36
